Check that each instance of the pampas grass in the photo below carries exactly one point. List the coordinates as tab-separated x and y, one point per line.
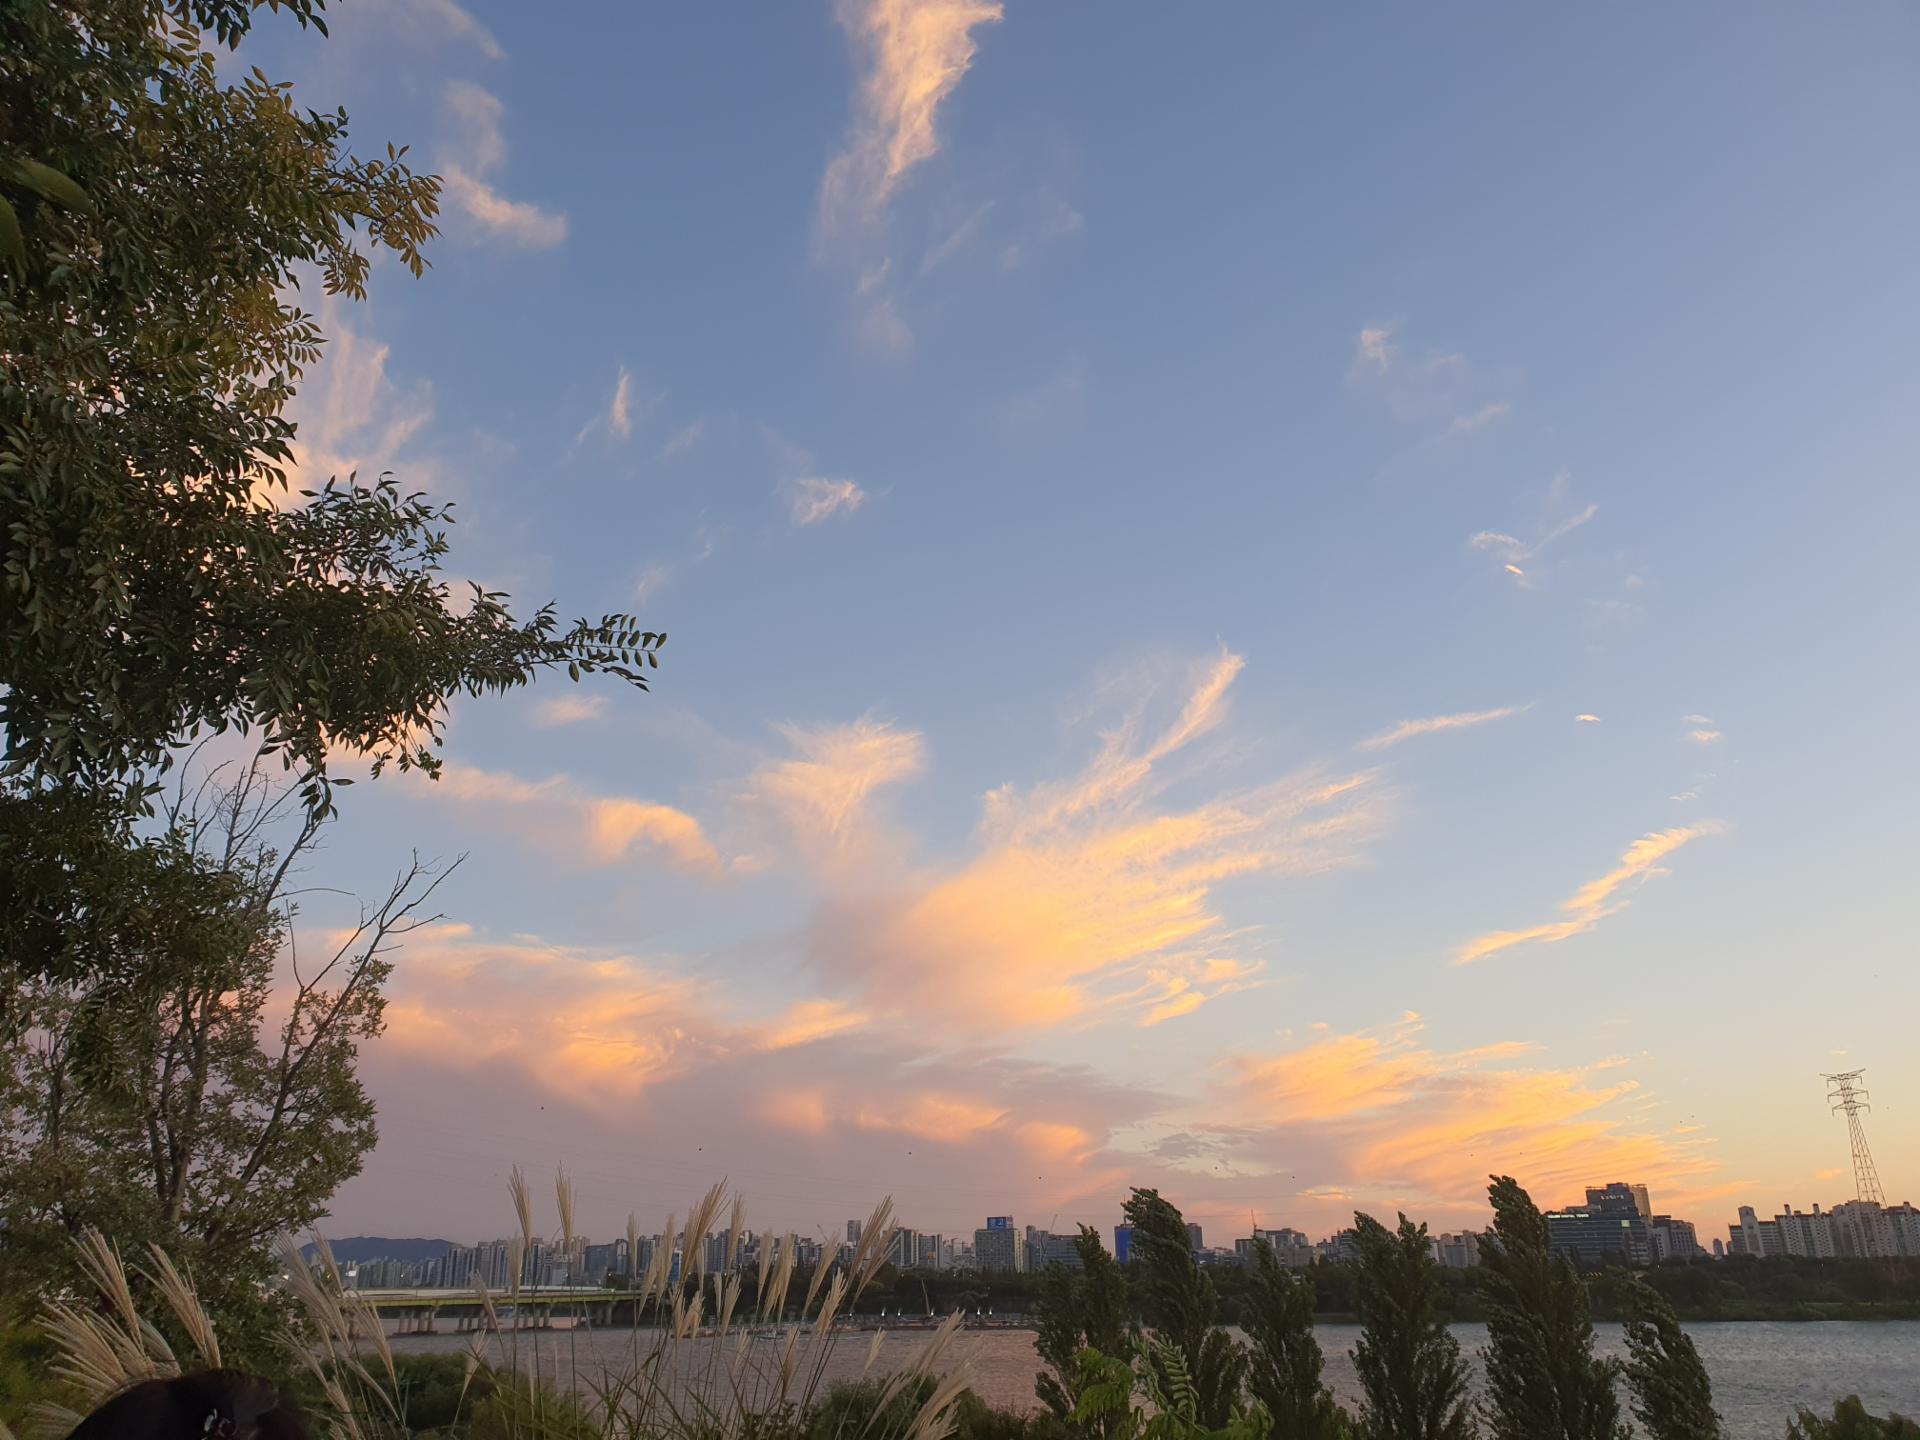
681	1382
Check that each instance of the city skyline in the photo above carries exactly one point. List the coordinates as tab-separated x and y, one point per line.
1298	683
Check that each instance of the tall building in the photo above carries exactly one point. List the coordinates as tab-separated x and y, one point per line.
1864	1228
1290	1247
1057	1250
1609	1225
903	1248
854	1228
1640	1199
999	1247
1459	1250
1807	1234
1194	1240
1122	1243
1672	1239
1341	1246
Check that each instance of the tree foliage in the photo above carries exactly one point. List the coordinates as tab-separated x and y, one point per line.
1172	1406
1543	1380
1077	1311
1672	1396
1850	1421
1181	1306
1284	1360
157	1098
1411	1373
157	577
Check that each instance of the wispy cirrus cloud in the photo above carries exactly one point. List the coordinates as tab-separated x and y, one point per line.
817	497
826	788
914	54
569	709
1587	718
1597	899
1435	724
1518	556
1480	418
1084	898
1421	385
620	416
479	152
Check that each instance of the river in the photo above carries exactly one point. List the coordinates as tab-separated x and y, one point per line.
1761	1370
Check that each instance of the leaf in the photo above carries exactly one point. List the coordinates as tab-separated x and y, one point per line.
49	183
12	248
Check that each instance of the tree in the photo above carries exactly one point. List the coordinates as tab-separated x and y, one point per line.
1672	1396
1077	1312
1409	1364
158	1100
1182	1308
1850	1421
1171	1406
156	577
1543	1380
1284	1358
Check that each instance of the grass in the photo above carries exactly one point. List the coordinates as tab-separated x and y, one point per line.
681	1379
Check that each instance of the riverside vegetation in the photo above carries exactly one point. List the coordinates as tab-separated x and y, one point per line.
735	1353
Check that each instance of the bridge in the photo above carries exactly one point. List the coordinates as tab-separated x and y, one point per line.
420	1312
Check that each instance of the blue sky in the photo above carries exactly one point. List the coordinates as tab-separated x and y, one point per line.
1065	444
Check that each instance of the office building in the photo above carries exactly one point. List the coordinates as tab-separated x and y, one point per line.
1058	1250
999	1247
1122	1243
1608	1227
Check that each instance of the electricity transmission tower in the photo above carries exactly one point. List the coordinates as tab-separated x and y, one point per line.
1847	1094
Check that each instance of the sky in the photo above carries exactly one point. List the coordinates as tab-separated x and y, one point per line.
1294	604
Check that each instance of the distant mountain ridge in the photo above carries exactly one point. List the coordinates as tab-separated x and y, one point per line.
356	1248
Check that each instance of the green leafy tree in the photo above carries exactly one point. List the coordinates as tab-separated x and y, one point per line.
157	578
1284	1359
1171	1408
1183	1309
158	1099
1850	1421
1077	1311
1411	1373
1543	1380
1672	1396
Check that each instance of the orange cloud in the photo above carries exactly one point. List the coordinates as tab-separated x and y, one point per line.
1086	896
916	52
1595	900
1388	1115
606	829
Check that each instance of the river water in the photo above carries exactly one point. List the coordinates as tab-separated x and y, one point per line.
1762	1370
